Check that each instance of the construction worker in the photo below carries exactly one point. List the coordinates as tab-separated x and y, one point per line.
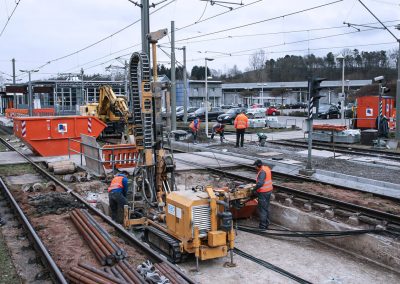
194	127
241	123
218	128
117	197
263	190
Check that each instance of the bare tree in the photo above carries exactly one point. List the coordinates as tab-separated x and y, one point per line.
257	60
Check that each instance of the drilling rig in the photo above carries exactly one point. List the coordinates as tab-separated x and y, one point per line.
177	223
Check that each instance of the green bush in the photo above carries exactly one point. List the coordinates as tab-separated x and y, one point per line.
298	113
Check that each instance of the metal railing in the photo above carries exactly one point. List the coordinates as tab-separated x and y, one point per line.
111	162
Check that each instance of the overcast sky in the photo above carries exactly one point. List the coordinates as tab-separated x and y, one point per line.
41	31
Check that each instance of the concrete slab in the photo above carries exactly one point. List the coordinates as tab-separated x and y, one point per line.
270	154
290	162
307	259
320	153
364	184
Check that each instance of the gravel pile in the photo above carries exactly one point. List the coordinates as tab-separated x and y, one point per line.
53	203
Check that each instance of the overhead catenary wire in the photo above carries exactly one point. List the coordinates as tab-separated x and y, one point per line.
9	18
101	40
262	21
217	15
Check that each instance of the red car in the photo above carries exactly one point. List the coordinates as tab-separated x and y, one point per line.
272	111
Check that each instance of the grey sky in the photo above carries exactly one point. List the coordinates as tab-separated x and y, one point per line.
40	31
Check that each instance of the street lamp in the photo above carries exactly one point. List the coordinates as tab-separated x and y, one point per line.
206	102
262	92
29	89
341	57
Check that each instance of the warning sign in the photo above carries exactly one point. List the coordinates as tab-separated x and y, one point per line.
62	128
369	112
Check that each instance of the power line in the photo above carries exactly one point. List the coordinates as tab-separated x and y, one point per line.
9	18
300	50
101	40
278	33
217	15
262	21
300	41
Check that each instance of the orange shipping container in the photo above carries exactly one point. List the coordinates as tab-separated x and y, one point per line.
48	136
368	110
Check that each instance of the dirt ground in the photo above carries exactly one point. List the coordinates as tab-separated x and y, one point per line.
355	197
49	213
7	269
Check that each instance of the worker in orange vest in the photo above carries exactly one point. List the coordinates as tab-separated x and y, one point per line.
117	197
241	123
194	128
263	191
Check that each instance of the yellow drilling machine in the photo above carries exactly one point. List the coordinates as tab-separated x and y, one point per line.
177	223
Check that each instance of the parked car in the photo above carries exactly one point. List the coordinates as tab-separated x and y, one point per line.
213	113
272	111
179	115
327	111
230	115
251	112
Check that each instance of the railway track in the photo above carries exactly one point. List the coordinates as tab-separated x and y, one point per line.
392	220
348	149
57	275
285	177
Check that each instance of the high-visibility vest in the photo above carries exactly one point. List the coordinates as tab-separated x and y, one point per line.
267	185
116	183
193	127
241	121
220	128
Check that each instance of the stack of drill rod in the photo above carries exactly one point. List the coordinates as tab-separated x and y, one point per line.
87	274
100	242
169	273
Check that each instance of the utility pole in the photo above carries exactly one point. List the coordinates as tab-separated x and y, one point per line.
185	98
30	105
145	27
127	95
173	79
82	90
15	95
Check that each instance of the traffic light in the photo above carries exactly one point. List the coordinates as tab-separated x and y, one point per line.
339	105
316	87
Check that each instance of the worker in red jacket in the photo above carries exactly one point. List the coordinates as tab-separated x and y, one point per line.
263	191
241	123
117	197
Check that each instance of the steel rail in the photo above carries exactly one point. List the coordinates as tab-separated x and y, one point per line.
340	149
298	177
47	260
107	219
310	196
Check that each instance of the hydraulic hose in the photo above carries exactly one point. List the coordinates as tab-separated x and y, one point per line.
306	234
270	266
